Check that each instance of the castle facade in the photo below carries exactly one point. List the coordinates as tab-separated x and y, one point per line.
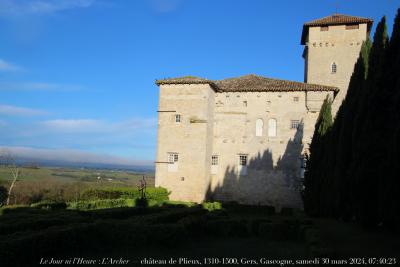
243	139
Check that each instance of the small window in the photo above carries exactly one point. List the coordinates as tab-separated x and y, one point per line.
259	127
294	124
214	160
242	160
178	118
324	28
173	162
173	157
244	103
333	68
352	27
296	99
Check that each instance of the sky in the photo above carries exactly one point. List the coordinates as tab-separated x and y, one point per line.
77	76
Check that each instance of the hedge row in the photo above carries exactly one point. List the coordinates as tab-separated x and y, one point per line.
153	193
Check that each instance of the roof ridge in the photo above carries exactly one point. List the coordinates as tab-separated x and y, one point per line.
249	83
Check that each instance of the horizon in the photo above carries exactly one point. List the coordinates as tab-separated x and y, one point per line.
77	77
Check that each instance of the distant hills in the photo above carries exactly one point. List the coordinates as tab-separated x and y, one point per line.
27	156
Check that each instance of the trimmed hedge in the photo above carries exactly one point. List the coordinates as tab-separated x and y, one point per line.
102	204
49	205
211	206
153	193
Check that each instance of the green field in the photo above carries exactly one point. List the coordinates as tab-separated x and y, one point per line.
97	176
66	184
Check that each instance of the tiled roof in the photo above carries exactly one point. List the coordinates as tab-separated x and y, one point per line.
335	19
250	83
255	83
187	80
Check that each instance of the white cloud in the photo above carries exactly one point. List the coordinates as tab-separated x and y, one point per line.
20	111
74	125
6	66
98	126
71	155
37	86
37	7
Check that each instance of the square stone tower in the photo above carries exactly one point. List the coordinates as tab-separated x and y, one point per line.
185	137
332	46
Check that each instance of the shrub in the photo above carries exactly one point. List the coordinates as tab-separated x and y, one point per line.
49	205
141	202
212	206
3	195
102	204
158	194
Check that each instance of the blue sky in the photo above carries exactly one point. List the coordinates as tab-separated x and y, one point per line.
78	75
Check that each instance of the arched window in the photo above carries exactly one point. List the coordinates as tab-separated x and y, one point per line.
272	127
259	127
333	67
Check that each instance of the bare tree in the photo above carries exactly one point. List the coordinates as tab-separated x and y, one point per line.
7	160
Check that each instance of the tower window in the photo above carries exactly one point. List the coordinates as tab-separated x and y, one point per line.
214	160
324	28
178	118
333	67
172	157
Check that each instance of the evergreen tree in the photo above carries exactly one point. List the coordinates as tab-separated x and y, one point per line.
313	174
389	206
343	134
354	164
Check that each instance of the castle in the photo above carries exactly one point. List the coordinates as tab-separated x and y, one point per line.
243	139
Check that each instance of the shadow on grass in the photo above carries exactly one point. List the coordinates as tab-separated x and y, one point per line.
39	233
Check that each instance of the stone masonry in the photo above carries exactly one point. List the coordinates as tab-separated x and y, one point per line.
243	139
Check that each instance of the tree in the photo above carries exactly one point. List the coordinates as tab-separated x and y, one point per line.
7	160
314	170
3	195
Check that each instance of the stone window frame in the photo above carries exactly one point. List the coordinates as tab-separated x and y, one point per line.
259	127
173	157
243	159
333	68
178	118
276	127
294	124
214	160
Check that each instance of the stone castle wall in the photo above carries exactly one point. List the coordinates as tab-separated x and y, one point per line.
224	124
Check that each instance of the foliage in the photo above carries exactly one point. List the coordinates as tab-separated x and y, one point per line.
49	205
318	152
352	172
101	204
211	206
157	193
3	195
